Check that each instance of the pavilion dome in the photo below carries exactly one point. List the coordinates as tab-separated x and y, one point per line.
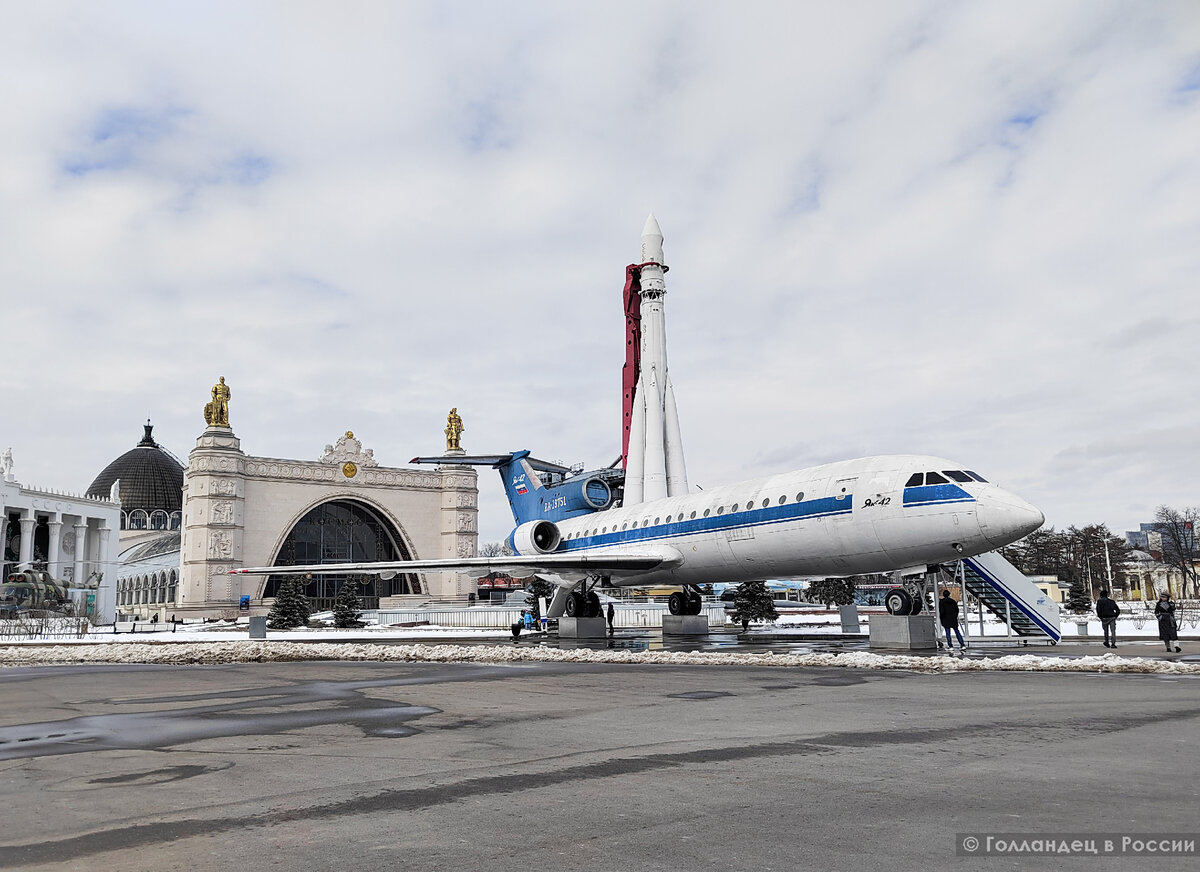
151	480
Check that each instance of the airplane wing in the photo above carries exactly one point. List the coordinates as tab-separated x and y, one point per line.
598	562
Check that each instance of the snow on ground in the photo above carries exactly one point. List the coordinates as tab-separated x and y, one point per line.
165	651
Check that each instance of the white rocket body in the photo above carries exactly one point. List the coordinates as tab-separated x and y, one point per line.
655	468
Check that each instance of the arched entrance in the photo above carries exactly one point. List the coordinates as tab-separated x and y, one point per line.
343	531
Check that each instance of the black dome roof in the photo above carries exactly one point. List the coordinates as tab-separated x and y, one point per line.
150	478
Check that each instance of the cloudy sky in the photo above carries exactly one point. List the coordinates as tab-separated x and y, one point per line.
966	229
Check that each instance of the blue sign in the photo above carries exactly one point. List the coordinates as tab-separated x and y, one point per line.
244	604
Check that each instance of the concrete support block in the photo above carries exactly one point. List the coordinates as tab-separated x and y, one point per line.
258	626
685	625
904	632
849	616
582	628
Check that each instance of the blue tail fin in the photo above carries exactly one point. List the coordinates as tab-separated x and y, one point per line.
522	486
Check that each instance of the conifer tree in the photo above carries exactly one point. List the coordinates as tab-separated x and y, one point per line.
1078	600
753	602
346	608
291	607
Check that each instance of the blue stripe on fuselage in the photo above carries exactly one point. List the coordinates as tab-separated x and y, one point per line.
819	508
936	494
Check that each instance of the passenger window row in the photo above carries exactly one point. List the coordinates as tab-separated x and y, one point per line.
926	478
646	522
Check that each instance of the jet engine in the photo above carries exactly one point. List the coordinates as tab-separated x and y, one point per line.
535	537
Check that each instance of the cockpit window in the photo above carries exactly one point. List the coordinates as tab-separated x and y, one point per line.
977	476
934	478
956	474
918	479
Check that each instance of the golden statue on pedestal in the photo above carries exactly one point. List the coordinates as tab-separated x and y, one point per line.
454	430
216	413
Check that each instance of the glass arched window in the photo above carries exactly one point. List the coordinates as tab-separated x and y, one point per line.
158	520
175	521
138	519
343	531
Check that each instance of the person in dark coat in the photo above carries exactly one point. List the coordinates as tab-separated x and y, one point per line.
611	613
1107	611
948	615
1168	630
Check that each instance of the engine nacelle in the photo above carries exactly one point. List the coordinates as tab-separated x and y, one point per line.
535	537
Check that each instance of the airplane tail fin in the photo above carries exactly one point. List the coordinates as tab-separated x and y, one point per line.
521	486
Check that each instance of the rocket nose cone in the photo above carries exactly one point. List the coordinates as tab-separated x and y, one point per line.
652	228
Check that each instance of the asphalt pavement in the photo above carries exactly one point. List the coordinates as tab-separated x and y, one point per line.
363	766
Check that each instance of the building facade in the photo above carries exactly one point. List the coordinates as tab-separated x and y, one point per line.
72	537
247	510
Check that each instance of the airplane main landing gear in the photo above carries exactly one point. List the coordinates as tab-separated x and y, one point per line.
684	603
583	605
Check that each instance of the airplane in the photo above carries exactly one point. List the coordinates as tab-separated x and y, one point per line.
901	513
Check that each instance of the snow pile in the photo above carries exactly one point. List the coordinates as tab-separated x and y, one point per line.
168	653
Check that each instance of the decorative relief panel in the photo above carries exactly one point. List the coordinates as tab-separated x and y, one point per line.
220	547
466	548
466	523
222	512
223	487
68	542
347	448
466	500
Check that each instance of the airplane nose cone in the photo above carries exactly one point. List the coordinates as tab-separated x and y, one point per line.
1004	518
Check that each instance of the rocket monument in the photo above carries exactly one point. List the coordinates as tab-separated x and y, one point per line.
652	448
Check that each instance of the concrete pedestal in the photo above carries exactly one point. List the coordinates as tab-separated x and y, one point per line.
904	632
582	628
685	625
258	627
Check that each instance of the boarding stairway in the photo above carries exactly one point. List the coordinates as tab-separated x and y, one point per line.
1009	595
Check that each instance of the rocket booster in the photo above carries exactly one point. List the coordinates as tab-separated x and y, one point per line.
654	466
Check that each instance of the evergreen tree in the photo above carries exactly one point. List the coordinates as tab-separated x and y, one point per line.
291	607
1078	600
346	608
832	592
753	602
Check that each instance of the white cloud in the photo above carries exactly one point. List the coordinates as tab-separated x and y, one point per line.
958	229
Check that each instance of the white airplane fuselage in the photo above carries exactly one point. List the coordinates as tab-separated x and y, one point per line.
844	518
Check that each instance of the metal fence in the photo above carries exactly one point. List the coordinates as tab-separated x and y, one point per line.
634	615
24	627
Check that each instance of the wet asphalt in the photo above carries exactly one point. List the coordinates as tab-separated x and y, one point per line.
371	766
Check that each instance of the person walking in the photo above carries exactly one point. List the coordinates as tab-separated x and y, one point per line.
1107	611
948	615
611	611
1168	630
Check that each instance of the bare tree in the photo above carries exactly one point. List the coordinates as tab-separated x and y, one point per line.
491	549
1178	530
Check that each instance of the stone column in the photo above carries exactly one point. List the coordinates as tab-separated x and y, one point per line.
28	524
459	527
214	497
80	550
53	550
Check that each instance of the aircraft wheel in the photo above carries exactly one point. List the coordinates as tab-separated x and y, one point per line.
593	604
677	604
918	606
576	605
694	605
898	602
